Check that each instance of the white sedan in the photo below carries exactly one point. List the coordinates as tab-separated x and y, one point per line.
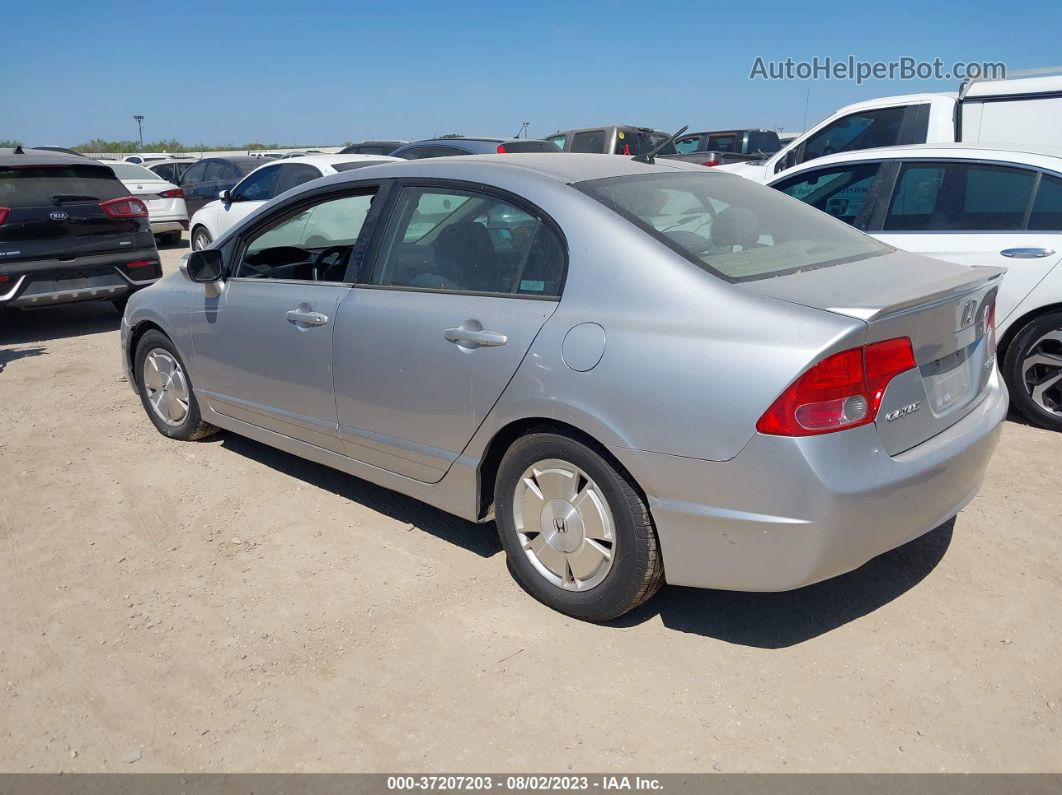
269	180
976	205
167	213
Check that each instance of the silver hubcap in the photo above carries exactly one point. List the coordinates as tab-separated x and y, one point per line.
200	242
1042	371
166	387
564	525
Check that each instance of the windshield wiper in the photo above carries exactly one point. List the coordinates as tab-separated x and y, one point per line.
59	198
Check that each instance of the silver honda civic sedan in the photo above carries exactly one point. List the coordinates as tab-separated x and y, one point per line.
642	372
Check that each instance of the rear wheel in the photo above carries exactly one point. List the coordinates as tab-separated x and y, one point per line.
1032	368
201	239
577	535
165	390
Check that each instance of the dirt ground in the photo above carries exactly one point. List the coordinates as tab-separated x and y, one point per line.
222	606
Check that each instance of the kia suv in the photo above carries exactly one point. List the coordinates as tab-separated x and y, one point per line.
69	231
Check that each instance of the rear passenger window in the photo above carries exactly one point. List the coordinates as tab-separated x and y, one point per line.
687	146
722	143
959	197
590	141
1047	209
462	241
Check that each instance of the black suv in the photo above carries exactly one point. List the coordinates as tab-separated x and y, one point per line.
69	231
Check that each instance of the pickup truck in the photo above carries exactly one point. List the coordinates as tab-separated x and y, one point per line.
613	139
1017	110
719	147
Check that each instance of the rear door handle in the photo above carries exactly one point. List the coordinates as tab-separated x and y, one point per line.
1027	253
480	339
307	318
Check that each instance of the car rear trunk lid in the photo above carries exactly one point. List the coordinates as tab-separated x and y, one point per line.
943	308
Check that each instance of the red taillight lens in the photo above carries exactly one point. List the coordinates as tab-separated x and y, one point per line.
3	215
141	263
711	163
842	391
176	193
125	207
990	328
4	277
501	149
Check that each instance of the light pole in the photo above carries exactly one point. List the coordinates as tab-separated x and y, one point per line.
140	128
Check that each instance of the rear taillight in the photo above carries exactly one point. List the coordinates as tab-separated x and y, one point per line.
4	277
3	215
141	263
502	150
840	392
176	193
711	163
125	207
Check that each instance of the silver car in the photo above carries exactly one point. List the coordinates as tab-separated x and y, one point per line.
643	372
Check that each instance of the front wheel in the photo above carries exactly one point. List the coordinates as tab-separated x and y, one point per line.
201	239
577	535
165	390
1032	368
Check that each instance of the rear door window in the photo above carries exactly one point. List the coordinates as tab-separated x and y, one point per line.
863	130
959	197
194	174
1047	209
294	174
688	144
463	241
558	140
37	186
589	141
841	191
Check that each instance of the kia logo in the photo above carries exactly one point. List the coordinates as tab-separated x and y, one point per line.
59	215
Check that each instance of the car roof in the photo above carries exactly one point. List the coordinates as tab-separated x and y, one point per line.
1050	156
169	160
567	168
40	156
638	127
329	160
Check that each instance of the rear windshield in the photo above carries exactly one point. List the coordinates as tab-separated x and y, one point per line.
514	147
367	149
131	171
763	143
642	142
730	226
37	186
245	167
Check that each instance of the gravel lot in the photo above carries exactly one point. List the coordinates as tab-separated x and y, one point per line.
223	606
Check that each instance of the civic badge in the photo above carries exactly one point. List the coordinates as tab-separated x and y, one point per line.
58	215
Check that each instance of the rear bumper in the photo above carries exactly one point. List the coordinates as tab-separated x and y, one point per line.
50	282
174	225
785	512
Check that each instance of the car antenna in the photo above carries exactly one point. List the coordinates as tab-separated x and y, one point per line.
648	156
18	150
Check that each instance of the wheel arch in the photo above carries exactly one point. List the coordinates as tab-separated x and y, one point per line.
504	438
1015	326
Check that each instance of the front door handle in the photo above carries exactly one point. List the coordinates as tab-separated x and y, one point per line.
307	318
1027	253
474	338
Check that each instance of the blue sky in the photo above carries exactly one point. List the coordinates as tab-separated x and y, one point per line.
327	72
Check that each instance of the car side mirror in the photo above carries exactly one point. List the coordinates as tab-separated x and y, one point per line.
203	267
226	196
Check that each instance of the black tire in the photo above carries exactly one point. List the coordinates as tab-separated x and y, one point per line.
192	428
637	570
200	238
1020	393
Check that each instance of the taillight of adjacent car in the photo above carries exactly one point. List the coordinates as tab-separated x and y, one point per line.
3	215
124	207
175	193
712	163
840	392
